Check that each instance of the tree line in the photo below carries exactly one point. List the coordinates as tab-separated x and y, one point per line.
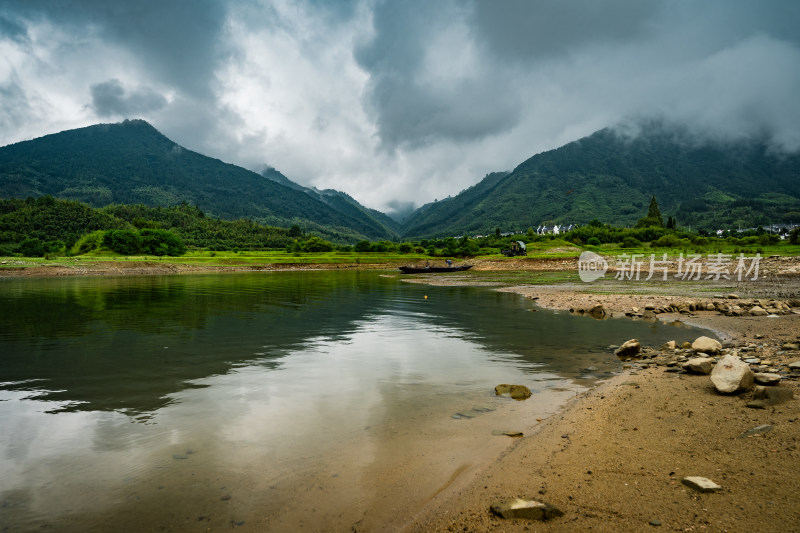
47	226
43	226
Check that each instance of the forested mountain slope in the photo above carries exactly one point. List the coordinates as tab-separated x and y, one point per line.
132	163
612	178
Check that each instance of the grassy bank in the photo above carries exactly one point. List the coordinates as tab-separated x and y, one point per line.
558	258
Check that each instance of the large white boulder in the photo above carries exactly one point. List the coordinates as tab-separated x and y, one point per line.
731	375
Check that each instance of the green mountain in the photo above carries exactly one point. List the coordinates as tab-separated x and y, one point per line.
603	176
449	217
338	200
132	163
611	178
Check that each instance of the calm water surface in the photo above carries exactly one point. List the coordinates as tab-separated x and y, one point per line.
268	401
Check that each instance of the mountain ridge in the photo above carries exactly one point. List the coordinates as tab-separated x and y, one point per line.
337	199
609	177
606	176
132	162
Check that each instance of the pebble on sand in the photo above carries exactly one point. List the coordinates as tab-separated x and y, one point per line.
701	484
518	392
530	509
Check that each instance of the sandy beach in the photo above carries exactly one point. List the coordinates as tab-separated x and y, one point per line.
615	457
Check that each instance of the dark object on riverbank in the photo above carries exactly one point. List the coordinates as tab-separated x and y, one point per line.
517	248
430	269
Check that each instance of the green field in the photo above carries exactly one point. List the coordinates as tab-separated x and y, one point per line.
211	258
538	250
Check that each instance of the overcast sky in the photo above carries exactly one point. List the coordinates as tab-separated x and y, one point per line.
402	100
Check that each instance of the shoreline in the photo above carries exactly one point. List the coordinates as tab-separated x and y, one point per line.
613	457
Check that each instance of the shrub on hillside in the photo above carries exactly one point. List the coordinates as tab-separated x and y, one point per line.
631	242
88	243
315	244
666	241
161	242
123	241
31	247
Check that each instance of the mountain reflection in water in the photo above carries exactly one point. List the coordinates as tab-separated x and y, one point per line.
126	343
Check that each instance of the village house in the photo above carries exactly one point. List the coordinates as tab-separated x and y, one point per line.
556	229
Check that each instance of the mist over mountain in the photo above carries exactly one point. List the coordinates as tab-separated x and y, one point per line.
611	176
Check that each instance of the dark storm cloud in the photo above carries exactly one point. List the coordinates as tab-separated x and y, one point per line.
416	101
339	9
176	39
529	30
727	21
110	99
12	30
551	62
477	91
429	95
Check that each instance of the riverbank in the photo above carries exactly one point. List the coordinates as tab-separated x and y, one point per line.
615	457
91	267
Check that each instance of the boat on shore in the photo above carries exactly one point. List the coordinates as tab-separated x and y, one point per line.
432	269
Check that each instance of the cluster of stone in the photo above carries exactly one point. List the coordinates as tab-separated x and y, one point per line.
730	305
597	311
732	369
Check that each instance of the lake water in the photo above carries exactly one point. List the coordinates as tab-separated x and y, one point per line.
282	401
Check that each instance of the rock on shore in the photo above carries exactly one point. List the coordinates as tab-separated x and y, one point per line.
699	365
701	484
731	375
527	509
707	345
629	348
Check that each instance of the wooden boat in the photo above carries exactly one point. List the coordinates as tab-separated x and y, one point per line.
430	269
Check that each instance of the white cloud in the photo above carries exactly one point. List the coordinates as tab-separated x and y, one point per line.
296	88
399	101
